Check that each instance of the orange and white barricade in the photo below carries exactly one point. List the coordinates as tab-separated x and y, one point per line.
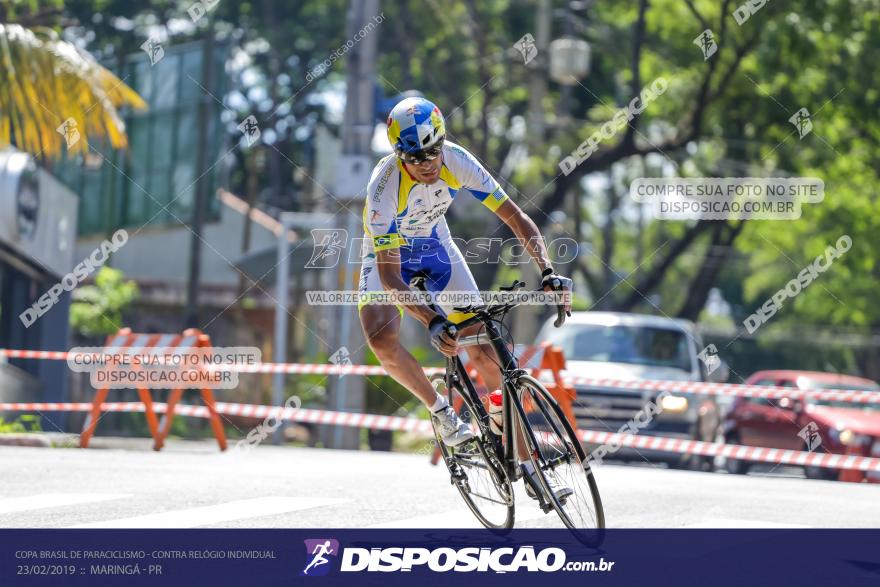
131	342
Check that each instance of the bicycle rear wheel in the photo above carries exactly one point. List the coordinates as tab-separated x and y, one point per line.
475	469
557	454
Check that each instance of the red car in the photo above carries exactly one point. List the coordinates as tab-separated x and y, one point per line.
816	425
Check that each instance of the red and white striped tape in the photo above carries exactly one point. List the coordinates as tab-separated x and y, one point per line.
693	387
50	355
377	422
310	416
727	389
290	368
733	451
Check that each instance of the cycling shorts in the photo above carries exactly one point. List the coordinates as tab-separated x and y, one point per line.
445	272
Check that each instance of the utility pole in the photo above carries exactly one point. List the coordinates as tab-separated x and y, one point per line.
538	75
191	314
529	322
348	393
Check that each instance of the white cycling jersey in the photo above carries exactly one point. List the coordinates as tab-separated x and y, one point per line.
399	209
402	213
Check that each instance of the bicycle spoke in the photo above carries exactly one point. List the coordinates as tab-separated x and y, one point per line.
483	485
559	461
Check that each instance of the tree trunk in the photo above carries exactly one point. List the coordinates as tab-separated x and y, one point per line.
723	235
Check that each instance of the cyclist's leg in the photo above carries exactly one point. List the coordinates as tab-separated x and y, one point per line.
381	324
483	356
461	280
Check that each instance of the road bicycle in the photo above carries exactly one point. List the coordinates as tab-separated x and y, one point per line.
485	468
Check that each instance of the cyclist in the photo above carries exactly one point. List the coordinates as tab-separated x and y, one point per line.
406	233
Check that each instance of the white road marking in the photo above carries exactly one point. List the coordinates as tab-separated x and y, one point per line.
42	501
735	523
526	509
216	514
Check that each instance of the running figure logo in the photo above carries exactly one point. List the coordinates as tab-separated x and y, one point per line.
709	356
706	42
319	549
526	47
69	131
250	129
810	434
328	244
154	50
801	121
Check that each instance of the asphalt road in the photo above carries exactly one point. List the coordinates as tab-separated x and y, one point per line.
191	484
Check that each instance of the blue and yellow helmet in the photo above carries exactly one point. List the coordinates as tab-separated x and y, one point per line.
415	124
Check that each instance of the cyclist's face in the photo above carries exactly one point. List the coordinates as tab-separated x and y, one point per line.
426	171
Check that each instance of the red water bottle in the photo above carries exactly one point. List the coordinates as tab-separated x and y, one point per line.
496	415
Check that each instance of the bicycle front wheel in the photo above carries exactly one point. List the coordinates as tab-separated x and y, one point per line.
475	469
556	454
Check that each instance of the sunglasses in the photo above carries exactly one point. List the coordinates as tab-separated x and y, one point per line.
418	157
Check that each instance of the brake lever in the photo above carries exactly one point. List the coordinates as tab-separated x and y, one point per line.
517	284
560	316
560	309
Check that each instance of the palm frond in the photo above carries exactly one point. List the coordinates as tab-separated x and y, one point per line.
45	83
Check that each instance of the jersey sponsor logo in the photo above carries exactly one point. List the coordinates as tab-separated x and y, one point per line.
381	187
431	217
425	216
458	150
365	273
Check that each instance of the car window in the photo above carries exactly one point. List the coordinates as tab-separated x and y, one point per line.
636	345
765	381
813	384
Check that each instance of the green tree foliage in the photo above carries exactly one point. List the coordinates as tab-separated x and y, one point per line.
97	309
725	116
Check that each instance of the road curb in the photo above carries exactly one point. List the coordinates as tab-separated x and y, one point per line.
35	440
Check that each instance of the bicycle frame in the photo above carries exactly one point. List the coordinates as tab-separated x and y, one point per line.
510	373
501	454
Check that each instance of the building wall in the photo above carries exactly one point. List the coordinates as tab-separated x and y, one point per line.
162	253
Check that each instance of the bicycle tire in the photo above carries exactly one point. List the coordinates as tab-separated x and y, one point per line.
468	457
565	451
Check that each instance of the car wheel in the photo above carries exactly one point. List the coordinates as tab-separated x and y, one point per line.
735	466
822	473
707	430
680	464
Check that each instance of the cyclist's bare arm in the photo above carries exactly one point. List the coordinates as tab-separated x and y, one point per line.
525	229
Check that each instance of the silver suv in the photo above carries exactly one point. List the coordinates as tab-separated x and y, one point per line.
612	345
